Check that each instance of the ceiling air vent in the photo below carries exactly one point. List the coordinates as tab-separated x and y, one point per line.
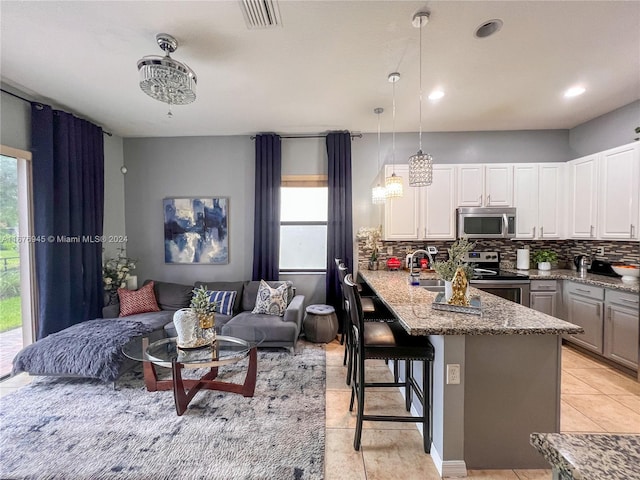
261	13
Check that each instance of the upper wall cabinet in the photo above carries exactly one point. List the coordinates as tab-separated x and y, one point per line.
425	212
488	185
604	194
583	191
619	182
537	192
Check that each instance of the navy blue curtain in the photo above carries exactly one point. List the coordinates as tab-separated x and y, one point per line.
266	225
339	221
68	205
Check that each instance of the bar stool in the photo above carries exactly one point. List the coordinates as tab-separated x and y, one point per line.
387	341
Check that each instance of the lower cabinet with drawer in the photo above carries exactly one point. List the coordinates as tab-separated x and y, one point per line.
585	305
544	297
621	331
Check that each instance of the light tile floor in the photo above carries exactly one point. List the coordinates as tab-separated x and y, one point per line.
595	398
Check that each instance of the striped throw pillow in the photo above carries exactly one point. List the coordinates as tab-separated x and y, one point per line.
224	301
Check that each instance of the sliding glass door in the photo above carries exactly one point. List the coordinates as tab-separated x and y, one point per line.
16	256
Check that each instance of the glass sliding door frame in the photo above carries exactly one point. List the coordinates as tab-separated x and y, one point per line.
28	290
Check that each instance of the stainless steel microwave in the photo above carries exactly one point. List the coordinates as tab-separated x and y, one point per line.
491	222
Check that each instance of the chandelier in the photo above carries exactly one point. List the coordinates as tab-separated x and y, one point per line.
420	164
166	79
393	184
378	193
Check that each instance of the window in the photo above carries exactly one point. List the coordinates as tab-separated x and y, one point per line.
303	227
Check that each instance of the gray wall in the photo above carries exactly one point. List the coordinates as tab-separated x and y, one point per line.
15	121
606	131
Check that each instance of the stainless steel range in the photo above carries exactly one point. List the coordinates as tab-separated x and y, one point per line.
489	278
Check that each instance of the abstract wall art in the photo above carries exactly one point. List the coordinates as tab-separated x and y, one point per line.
196	230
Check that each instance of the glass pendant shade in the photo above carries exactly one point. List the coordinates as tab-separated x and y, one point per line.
393	186
420	169
166	79
378	195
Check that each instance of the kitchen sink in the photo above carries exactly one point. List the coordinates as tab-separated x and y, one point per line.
432	284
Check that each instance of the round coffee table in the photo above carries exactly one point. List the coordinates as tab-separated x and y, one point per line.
224	351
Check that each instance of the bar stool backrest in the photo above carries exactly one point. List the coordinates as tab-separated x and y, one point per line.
354	306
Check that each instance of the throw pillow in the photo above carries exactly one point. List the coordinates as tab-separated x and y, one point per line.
224	300
271	301
137	301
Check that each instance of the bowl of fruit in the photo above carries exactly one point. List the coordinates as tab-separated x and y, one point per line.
629	273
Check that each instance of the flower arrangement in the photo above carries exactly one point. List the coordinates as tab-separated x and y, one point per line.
371	236
447	269
116	270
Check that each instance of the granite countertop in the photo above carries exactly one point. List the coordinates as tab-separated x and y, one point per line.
591	456
412	306
589	278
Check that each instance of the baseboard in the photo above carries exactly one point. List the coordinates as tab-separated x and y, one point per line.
446	469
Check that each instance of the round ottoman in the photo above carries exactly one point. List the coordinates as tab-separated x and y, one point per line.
320	323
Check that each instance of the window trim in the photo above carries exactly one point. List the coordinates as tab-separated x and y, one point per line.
303	181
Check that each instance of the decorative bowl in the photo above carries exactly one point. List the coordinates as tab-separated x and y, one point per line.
630	273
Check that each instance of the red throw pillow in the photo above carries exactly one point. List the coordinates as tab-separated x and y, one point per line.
137	301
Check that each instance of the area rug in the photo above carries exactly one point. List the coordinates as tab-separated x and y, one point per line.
86	430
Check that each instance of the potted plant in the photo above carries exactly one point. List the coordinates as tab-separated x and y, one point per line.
204	309
447	269
544	258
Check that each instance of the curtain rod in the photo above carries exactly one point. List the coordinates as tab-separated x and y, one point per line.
38	103
353	135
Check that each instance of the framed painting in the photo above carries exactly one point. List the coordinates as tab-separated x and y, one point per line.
196	230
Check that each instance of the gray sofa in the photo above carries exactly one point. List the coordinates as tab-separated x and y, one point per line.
278	331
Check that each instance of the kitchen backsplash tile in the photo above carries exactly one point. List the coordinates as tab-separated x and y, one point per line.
614	251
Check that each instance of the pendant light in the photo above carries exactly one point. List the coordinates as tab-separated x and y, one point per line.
393	184
378	193
420	164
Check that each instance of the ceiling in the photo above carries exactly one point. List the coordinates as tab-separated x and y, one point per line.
326	67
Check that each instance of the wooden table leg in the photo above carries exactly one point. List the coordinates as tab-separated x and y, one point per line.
185	389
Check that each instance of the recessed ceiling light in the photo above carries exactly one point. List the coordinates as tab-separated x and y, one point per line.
436	95
488	28
574	92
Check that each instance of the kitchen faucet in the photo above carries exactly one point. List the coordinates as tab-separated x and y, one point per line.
413	254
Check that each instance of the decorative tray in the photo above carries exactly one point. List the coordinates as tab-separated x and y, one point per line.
473	309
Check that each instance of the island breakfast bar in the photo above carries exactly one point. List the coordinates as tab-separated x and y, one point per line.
509	386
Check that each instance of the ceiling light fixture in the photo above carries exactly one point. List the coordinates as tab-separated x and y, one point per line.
166	79
436	95
393	184
378	193
574	92
420	164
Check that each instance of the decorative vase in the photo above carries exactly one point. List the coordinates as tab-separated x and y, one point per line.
448	290
544	265
373	265
187	325
206	328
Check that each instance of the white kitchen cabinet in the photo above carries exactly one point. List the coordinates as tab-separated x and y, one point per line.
583	192
439	204
621	328
537	196
422	212
485	185
402	214
585	308
619	193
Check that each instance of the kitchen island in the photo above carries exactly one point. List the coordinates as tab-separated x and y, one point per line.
509	386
